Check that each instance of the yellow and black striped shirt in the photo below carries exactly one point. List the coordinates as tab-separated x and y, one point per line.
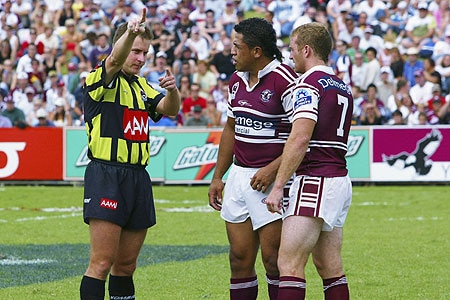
117	117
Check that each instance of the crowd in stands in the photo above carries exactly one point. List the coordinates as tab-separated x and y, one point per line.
395	54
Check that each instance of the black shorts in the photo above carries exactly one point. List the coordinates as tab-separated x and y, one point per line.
120	194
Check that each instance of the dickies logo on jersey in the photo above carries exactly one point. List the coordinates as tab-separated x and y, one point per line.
266	95
302	97
244	103
135	125
234	90
108	203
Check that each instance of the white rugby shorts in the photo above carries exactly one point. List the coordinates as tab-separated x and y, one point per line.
328	198
241	202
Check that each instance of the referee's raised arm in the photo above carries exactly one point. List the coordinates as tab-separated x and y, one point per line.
123	45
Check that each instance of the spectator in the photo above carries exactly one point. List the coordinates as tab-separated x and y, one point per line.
171	17
371	99
49	39
61	116
5	122
439	114
402	88
12	19
423	119
334	8
24	63
159	32
13	40
420	28
359	69
37	76
397	63
198	44
229	17
222	62
15	115
372	69
421	91
42	118
398	19
350	30
211	27
193	100
71	39
397	118
88	44
410	111
343	63
22	9
442	45
184	25
384	56
443	67
285	12
308	17
372	9
78	108
18	88
100	52
385	85
158	71
65	13
436	90
8	75
32	118
153	15
184	86
98	26
5	50
198	15
370	40
212	113
205	78
430	72
197	118
412	65
27	105
370	115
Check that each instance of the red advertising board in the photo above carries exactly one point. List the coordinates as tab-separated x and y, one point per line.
31	153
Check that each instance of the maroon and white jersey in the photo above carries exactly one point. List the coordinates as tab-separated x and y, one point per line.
262	125
321	96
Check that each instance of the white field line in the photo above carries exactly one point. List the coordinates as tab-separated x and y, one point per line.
17	261
78	211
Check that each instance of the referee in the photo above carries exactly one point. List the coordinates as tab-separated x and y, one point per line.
118	198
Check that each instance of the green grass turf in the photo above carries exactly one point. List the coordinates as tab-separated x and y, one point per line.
396	242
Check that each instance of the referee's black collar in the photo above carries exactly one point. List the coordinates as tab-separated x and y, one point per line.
129	78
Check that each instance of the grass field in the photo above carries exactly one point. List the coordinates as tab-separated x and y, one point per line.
396	243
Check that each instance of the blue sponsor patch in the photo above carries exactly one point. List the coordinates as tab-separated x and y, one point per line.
302	97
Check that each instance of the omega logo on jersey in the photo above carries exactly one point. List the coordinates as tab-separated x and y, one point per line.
135	125
255	124
266	95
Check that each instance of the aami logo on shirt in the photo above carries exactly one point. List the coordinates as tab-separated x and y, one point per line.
108	203
135	125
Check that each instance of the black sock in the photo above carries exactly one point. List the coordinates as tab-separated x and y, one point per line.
121	287
92	289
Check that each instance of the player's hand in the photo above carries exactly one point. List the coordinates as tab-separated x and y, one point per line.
263	178
215	194
168	82
135	25
274	201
